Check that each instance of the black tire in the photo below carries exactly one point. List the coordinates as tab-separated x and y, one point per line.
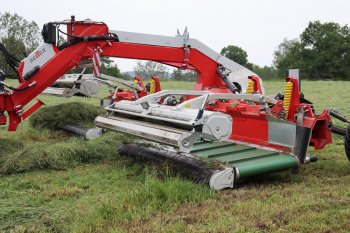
347	142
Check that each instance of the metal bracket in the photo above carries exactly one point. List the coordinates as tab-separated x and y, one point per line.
185	143
185	37
264	106
300	117
84	86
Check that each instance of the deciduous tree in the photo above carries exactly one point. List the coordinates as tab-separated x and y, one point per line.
236	54
18	35
322	51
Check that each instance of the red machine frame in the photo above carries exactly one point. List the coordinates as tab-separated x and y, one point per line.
250	122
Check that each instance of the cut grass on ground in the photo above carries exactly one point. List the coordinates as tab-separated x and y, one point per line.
113	194
54	117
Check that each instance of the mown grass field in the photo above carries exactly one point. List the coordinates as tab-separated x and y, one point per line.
50	182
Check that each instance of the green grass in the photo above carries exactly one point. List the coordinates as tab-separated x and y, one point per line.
91	197
79	186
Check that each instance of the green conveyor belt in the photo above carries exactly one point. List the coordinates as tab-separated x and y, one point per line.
248	160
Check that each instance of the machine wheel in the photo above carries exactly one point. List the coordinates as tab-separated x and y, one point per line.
347	142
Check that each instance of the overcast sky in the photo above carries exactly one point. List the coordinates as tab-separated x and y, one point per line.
257	26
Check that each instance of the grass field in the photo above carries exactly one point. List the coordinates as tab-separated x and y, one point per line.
50	182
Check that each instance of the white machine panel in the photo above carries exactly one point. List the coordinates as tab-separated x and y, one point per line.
38	57
238	73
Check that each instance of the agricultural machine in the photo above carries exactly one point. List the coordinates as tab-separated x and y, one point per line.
226	118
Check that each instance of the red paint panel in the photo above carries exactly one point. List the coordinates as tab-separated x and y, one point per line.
250	129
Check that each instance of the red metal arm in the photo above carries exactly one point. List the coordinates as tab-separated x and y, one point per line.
15	101
205	66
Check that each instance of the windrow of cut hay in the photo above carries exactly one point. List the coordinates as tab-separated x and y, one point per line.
60	155
67	152
53	117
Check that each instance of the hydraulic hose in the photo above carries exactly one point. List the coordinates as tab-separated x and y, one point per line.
87	38
10	59
221	71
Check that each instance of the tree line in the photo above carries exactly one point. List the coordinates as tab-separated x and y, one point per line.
322	51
